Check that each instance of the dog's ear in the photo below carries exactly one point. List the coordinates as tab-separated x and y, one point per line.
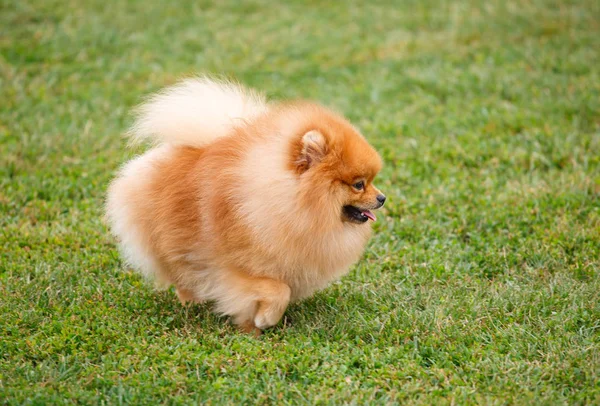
314	149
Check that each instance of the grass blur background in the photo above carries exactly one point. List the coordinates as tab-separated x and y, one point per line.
480	284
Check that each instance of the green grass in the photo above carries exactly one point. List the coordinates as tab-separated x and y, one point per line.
480	285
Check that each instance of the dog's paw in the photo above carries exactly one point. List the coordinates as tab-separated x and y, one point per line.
249	328
187	297
266	319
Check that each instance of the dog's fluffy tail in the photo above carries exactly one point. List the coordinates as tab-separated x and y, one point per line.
195	112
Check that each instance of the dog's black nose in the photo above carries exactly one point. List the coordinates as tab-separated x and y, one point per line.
381	199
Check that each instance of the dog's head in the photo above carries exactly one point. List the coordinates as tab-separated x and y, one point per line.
337	166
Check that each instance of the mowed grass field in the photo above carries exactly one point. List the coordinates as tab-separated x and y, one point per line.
481	283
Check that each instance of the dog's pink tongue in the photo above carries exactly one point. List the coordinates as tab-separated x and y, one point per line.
369	215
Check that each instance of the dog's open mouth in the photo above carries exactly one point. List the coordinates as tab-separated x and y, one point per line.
357	215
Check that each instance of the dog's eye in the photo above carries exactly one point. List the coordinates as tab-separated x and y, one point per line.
359	185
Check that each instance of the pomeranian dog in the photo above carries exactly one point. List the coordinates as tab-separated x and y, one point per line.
242	202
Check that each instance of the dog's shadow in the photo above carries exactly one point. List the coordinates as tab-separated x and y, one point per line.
163	307
326	315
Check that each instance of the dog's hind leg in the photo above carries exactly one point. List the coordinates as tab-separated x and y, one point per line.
187	296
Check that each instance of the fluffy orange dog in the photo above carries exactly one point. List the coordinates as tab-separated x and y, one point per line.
242	202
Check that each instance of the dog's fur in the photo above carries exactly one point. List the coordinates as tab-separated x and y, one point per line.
242	202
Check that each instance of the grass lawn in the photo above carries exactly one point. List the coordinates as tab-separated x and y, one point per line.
481	283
